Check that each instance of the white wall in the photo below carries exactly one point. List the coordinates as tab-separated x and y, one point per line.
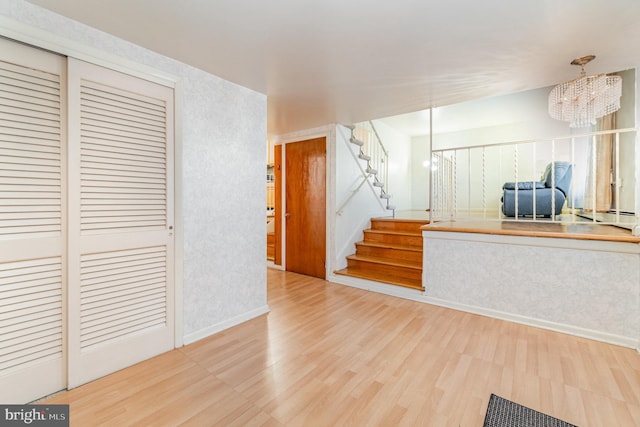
223	191
352	218
398	146
515	117
420	175
626	119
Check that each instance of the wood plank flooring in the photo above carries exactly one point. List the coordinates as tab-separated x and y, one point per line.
330	355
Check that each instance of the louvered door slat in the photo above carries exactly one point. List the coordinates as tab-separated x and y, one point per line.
32	218
35	121
49	307
118	288
13	103
132	214
32	146
40	353
129	145
121	105
31	296
18	73
98	183
114	147
88	260
130	329
116	111
99	325
122	292
37	286
97	179
122	187
30	150
108	264
39	94
130	270
122	98
9	138
9	130
19	113
130	306
123	324
20	100
104	131
29	337
124	311
107	305
94	116
29	158
122	141
119	199
42	322
123	162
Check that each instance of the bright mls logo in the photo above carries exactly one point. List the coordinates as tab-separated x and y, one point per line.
34	415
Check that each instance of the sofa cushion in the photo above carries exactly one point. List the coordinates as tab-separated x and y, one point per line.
527	185
561	174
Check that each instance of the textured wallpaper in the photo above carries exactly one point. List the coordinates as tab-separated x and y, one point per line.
224	137
595	290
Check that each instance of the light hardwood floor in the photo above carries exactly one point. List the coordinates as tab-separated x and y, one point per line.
330	355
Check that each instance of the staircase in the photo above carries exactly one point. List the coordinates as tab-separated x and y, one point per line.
391	252
376	162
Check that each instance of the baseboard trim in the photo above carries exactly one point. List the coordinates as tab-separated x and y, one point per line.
538	323
219	327
381	288
270	264
420	296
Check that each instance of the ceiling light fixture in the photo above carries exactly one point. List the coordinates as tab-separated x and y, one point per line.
583	100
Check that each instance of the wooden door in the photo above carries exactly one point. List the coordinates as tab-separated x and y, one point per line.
120	221
305	207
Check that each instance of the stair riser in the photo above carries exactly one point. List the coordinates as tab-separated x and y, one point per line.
385	278
393	238
390	253
413	227
408	273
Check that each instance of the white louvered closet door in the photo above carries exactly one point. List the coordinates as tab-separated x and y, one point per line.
32	223
121	293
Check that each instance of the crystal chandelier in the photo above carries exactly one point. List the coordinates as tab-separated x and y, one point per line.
583	100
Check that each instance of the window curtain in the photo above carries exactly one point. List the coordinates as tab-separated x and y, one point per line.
600	180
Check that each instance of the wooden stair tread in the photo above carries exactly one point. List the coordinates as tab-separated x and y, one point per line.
384	245
414	221
383	278
386	261
391	252
393	232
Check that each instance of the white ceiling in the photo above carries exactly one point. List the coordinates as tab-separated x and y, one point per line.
344	61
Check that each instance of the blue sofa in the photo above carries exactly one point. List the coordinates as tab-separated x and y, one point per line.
544	191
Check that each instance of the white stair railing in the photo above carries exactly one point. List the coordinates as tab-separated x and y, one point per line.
373	154
467	181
